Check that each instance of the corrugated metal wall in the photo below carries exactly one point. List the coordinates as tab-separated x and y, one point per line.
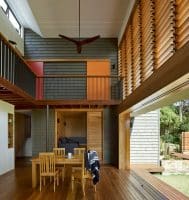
65	88
38	131
145	134
37	47
45	48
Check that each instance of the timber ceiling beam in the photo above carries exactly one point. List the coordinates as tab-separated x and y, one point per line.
77	102
14	95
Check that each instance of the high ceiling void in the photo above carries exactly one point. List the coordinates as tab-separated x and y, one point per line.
104	17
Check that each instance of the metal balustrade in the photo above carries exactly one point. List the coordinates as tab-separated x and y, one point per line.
70	87
14	69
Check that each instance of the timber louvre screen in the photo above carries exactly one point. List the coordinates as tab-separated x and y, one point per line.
155	31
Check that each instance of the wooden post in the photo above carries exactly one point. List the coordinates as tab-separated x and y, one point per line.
55	136
47	126
124	141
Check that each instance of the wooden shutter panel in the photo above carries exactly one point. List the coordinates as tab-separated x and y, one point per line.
128	61
94	132
148	38
136	45
182	22
120	62
124	68
164	30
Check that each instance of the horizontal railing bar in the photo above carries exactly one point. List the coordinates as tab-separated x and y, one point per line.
77	76
68	60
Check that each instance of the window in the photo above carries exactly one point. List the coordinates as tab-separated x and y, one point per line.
5	7
14	22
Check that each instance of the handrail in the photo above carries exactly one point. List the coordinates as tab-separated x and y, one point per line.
72	86
77	76
16	51
48	60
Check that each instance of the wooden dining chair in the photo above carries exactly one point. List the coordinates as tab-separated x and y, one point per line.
81	175
60	153
47	168
78	151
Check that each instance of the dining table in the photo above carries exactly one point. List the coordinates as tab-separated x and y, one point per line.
74	160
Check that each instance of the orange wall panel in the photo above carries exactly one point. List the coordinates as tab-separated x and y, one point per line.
98	88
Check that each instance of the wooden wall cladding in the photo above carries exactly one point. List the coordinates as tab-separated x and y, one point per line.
185	142
155	31
94	132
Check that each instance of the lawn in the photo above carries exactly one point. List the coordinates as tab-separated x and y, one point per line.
180	182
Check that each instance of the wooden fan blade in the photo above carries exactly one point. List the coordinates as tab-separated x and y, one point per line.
89	40
80	43
68	38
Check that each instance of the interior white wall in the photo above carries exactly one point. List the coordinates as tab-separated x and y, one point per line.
9	32
7	162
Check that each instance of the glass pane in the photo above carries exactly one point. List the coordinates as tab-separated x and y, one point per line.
3	5
14	21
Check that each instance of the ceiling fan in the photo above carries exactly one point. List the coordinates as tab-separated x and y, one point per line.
79	43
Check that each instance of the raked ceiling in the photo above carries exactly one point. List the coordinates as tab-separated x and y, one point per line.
48	18
104	17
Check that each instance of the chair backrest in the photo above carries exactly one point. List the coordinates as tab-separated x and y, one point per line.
83	163
47	163
59	152
79	151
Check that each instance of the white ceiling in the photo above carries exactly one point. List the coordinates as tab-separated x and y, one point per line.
104	17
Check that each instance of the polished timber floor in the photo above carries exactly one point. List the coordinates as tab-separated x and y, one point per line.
114	185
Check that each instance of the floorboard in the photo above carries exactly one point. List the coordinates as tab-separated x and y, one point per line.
114	185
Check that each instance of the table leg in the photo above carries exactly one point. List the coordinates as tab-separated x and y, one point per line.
34	175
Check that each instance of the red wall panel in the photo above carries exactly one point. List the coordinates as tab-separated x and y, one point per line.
37	68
